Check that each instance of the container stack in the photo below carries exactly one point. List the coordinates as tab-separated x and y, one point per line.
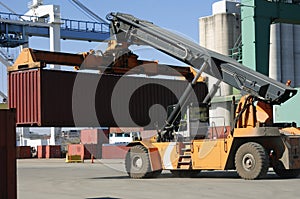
49	151
23	152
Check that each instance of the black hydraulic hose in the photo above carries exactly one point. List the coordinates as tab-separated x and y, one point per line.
246	105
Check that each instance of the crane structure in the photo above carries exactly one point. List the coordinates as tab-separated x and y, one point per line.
253	143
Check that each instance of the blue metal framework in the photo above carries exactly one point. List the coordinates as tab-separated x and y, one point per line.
15	28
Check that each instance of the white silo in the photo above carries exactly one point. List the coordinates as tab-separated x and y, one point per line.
219	33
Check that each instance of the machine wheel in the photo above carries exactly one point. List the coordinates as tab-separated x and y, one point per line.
185	173
285	173
137	163
251	161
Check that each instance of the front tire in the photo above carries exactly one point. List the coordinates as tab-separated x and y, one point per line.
137	163
251	161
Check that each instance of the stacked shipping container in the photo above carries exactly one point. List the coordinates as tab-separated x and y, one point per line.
23	152
49	151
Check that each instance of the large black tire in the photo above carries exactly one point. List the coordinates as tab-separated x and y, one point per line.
137	163
185	173
251	161
285	173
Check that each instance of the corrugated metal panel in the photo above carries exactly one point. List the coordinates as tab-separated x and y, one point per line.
57	98
8	171
25	96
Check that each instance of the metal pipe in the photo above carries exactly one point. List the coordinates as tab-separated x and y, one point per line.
171	119
212	92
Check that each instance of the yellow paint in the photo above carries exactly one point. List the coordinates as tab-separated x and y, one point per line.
211	153
3	106
169	153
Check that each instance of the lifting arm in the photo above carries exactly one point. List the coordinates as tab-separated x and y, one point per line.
129	29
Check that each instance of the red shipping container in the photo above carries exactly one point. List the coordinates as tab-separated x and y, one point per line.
53	151
59	98
114	151
78	149
41	151
23	152
8	170
94	136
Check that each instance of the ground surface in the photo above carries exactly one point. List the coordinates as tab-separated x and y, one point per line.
54	178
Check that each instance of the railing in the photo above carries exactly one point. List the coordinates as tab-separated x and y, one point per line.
236	51
17	17
67	24
86	26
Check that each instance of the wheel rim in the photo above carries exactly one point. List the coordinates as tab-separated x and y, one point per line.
137	162
248	162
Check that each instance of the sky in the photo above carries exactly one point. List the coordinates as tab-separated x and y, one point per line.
179	16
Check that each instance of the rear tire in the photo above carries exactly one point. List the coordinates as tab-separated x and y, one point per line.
285	173
137	163
251	161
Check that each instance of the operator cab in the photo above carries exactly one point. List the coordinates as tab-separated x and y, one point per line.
192	122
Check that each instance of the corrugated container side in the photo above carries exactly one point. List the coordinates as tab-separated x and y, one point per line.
114	151
25	96
8	170
41	151
94	136
23	152
50	98
53	151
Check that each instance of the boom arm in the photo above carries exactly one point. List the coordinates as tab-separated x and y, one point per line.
129	29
